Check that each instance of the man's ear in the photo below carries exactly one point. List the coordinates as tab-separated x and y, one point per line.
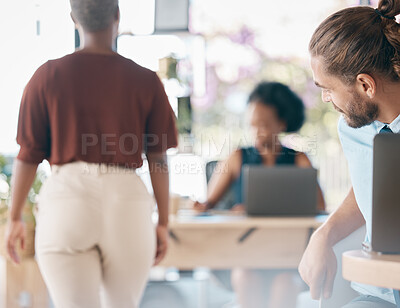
366	84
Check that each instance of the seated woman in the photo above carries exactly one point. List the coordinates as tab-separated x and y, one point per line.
274	109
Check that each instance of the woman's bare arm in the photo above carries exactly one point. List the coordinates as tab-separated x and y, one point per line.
22	179
159	175
224	174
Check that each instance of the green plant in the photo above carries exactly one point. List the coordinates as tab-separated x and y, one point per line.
3	213
37	184
27	215
4	187
3	162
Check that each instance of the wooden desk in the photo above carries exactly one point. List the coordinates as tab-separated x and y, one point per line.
220	241
373	269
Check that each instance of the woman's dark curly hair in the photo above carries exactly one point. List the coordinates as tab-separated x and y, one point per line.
289	106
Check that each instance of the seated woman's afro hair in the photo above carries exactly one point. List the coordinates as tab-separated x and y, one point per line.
289	106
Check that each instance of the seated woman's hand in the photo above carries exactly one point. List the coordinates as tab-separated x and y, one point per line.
200	206
239	208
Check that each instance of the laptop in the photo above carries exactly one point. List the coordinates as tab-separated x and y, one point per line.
386	194
280	191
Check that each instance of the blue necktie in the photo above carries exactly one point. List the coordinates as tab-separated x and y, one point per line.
386	130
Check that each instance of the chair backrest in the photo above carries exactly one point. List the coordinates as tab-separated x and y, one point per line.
210	167
342	292
228	199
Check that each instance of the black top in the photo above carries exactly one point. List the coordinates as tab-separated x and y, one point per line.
251	156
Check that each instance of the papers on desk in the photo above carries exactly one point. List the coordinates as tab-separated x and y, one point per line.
194	213
186	215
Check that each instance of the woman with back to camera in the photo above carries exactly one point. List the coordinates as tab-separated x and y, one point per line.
91	114
273	109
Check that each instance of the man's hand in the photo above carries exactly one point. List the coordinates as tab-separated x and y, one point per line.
162	243
318	267
15	231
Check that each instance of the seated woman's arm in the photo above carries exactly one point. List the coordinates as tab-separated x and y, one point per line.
224	174
303	161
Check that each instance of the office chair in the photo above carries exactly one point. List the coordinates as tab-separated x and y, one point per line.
228	200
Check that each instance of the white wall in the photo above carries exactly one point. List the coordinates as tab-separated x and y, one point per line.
23	51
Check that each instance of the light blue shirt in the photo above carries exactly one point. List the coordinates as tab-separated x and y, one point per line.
357	146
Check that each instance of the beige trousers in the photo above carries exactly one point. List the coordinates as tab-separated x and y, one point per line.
95	241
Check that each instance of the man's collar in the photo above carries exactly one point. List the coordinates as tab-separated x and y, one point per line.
394	126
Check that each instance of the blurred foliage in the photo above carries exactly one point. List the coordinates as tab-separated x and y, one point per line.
234	66
3	162
168	67
5	177
184	123
4	190
217	114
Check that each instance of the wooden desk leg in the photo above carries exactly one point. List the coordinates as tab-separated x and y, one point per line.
397	297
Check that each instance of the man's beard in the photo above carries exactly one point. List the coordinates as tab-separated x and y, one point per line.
360	113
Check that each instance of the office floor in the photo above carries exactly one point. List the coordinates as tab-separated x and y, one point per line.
198	290
189	290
